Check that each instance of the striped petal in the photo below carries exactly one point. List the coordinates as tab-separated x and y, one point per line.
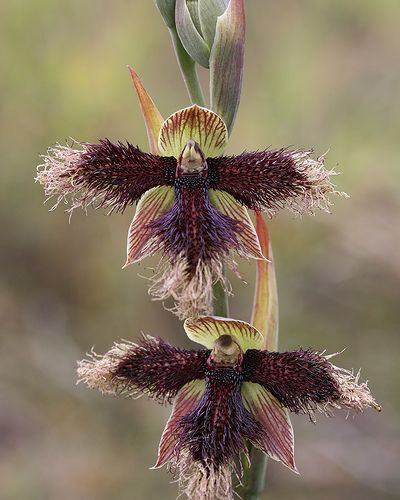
186	399
206	329
200	124
278	440
141	242
248	240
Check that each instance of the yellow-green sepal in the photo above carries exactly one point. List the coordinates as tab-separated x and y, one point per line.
209	11
197	123
205	330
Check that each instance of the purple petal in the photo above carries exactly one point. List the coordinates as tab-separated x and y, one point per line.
159	369
193	227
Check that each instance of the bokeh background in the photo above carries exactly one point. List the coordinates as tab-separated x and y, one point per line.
321	74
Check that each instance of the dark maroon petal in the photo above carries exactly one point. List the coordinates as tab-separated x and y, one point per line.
216	430
306	380
160	369
104	174
301	380
274	179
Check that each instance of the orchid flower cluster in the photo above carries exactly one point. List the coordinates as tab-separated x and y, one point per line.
227	394
192	203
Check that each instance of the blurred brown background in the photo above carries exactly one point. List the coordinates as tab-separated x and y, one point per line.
318	73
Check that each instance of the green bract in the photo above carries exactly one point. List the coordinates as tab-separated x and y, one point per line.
167	10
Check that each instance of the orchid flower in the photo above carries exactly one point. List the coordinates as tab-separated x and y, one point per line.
225	395
192	200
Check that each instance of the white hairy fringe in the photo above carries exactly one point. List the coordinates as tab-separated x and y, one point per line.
97	372
204	482
193	297
315	196
354	395
57	175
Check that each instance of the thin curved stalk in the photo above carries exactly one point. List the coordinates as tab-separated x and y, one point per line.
188	69
189	74
221	304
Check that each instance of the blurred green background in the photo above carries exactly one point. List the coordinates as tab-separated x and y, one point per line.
318	73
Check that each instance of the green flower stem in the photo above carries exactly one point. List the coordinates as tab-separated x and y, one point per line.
221	304
188	69
253	480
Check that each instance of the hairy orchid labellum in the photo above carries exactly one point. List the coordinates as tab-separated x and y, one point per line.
225	395
191	200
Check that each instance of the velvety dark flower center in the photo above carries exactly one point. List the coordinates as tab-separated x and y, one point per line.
191	181
216	430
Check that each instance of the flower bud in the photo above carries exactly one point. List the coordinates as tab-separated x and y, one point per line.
226	62
196	24
212	33
191	35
